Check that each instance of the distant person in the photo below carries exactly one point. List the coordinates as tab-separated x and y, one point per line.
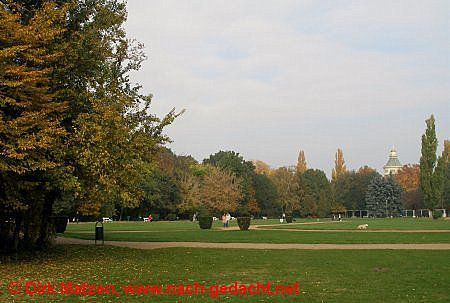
150	218
224	220
228	217
194	217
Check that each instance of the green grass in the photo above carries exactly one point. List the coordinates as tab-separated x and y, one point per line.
324	276
189	231
181	225
374	224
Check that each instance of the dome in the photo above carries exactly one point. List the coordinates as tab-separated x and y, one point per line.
393	164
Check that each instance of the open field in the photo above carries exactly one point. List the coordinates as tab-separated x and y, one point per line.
375	224
189	231
328	276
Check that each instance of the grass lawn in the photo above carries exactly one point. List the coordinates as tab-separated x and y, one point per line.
374	224
325	276
189	231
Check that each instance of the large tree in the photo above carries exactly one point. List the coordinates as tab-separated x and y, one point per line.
339	165
383	198
262	167
266	195
408	177
31	135
301	163
350	189
220	190
317	198
445	164
236	164
288	189
431	168
85	136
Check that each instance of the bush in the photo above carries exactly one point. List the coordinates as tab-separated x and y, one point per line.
289	219
205	222
171	217
243	222
60	223
156	217
437	214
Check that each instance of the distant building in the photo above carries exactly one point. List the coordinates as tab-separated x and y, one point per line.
393	164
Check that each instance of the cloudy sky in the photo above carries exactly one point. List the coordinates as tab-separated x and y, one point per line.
268	78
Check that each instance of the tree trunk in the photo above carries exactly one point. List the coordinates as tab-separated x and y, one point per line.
42	241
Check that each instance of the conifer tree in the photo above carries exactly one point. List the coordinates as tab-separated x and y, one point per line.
383	197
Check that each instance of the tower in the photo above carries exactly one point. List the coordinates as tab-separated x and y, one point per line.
393	164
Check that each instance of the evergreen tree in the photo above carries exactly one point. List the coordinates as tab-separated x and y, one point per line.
383	198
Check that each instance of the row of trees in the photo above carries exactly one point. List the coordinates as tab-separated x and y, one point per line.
226	182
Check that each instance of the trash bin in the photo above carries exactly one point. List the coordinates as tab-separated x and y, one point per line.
99	232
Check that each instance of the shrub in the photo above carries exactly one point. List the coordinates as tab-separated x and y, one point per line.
289	219
171	217
156	217
243	222
205	222
60	223
437	214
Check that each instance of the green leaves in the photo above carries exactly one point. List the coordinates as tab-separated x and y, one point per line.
431	168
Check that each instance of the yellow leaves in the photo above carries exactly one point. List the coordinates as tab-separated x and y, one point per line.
29	128
221	189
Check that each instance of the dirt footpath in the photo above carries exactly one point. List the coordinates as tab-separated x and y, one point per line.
156	245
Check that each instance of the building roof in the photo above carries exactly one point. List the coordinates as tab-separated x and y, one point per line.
393	159
393	162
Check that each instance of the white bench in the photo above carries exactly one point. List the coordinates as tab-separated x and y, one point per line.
106	219
146	220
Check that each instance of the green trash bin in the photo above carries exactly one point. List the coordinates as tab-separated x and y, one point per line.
99	235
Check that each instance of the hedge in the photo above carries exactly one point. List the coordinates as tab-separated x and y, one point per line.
205	222
171	217
243	222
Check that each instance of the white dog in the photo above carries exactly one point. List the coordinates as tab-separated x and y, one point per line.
363	226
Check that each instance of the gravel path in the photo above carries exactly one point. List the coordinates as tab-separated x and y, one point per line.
155	245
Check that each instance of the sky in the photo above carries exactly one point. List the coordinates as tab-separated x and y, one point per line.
269	78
